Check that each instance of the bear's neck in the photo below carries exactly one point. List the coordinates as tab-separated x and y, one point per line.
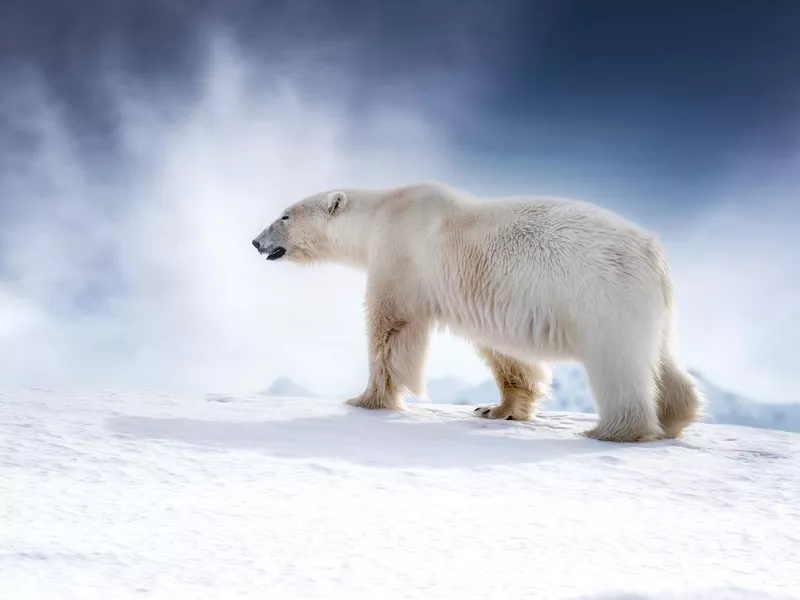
352	231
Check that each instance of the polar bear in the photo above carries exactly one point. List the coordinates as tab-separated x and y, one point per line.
527	280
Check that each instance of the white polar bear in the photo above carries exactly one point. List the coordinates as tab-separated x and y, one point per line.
527	280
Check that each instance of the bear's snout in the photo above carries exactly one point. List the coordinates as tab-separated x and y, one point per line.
272	251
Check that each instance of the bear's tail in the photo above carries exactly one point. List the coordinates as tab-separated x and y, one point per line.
679	401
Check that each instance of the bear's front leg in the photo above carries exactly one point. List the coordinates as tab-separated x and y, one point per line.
398	345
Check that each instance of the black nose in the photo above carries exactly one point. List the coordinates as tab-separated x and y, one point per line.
256	245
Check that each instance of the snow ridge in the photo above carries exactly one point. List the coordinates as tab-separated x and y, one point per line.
570	392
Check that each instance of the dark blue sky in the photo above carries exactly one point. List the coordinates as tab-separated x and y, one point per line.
660	99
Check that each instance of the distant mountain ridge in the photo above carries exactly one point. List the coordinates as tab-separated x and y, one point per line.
570	392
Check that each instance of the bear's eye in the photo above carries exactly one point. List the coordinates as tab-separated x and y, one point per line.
285	218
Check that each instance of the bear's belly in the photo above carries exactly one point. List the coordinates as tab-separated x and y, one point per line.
526	335
517	310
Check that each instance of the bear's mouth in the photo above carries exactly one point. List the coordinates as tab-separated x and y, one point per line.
276	253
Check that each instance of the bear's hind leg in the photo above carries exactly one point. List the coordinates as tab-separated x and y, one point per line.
520	384
624	391
397	351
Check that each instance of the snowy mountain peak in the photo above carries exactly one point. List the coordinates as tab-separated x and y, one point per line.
285	387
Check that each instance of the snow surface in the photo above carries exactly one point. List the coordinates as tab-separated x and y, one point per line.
162	496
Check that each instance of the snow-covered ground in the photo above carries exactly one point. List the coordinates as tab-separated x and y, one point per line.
159	496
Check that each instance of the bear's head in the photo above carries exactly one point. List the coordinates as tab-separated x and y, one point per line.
304	231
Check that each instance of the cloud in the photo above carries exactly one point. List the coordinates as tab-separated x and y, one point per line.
148	279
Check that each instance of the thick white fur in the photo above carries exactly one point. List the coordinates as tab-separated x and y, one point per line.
528	280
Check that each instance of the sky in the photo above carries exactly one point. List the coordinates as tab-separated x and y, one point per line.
144	144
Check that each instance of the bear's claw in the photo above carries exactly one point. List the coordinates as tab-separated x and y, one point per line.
500	412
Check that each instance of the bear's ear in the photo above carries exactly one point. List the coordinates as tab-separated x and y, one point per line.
336	203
